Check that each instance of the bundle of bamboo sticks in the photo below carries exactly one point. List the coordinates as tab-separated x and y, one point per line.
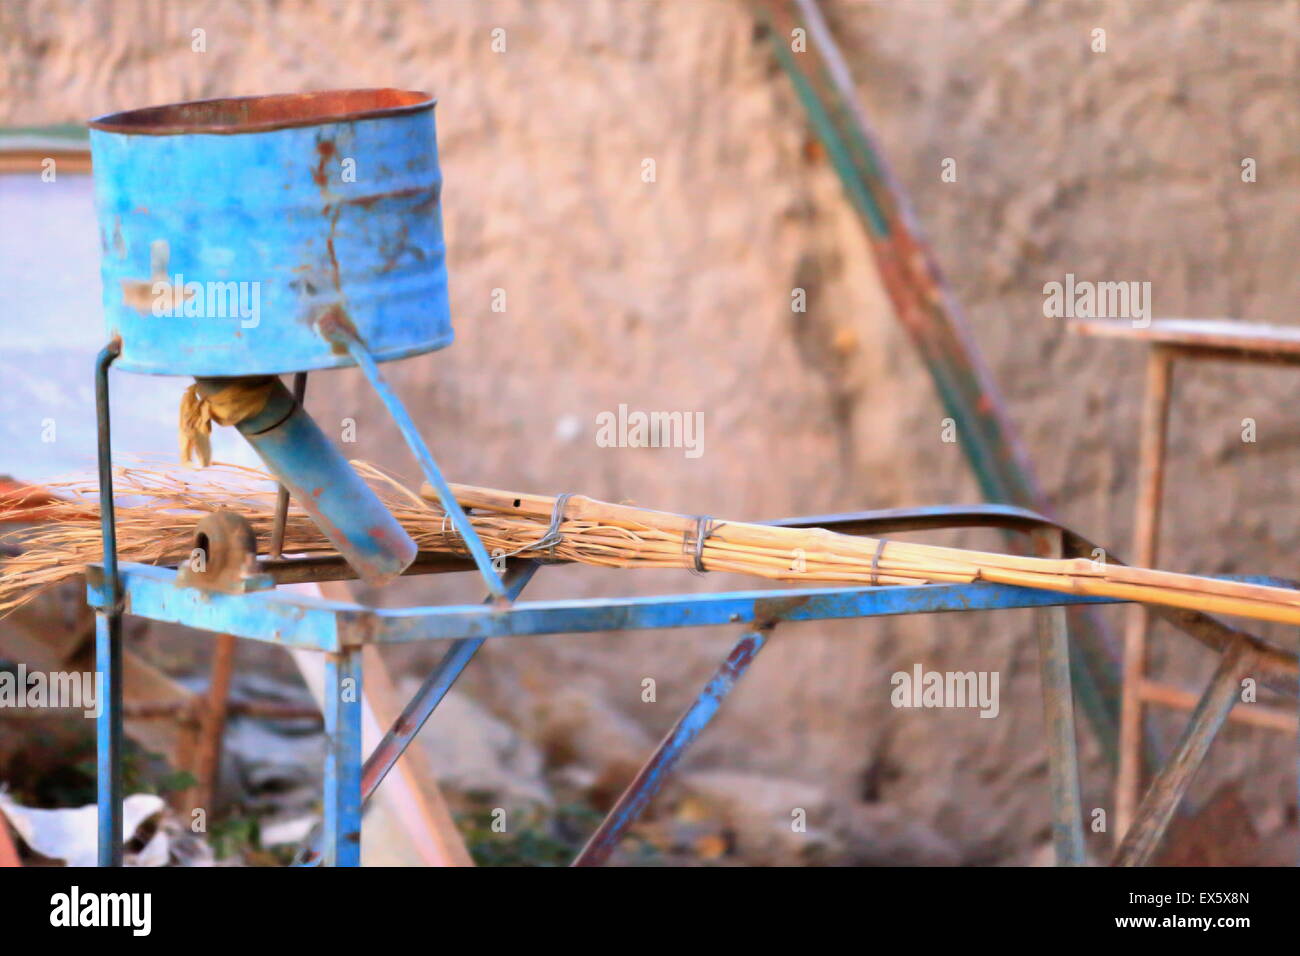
597	532
160	507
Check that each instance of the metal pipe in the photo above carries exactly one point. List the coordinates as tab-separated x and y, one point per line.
1278	668
1171	783
108	637
421	707
928	311
1058	720
320	479
430	467
341	835
652	775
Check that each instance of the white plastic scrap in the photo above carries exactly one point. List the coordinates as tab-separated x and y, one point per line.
70	834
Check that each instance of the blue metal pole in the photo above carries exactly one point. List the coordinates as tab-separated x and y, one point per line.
345	509
108	639
108	737
418	711
342	825
431	692
650	779
430	468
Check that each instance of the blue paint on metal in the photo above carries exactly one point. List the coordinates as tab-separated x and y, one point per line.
108	738
430	467
418	710
108	638
300	621
324	204
650	779
342	709
755	608
432	691
333	626
294	620
324	485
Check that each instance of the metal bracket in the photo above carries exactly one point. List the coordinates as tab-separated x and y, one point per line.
223	557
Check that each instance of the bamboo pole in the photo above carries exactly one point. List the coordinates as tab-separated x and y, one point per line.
757	547
598	533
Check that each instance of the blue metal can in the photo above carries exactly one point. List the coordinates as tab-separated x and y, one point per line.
234	230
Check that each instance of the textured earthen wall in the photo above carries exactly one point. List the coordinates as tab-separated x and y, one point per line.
675	295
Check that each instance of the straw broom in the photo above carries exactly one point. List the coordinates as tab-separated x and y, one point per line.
820	556
159	530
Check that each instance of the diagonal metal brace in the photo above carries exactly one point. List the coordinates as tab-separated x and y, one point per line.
422	454
420	708
1169	786
651	777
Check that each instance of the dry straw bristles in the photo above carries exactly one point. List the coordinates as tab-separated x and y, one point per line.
158	509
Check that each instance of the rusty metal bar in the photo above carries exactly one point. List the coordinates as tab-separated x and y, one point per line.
1278	668
1151	475
1167	789
317	568
929	312
1058	720
183	711
652	775
212	724
1198	353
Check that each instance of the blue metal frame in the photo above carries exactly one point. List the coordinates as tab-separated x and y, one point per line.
319	624
342	710
108	638
340	629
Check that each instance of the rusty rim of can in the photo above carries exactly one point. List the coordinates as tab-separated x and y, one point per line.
258	114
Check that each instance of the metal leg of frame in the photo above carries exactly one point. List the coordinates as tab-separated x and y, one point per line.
1171	783
108	737
420	708
108	639
650	778
342	825
1058	721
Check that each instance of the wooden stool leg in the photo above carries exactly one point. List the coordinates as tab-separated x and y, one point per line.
212	727
1151	471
